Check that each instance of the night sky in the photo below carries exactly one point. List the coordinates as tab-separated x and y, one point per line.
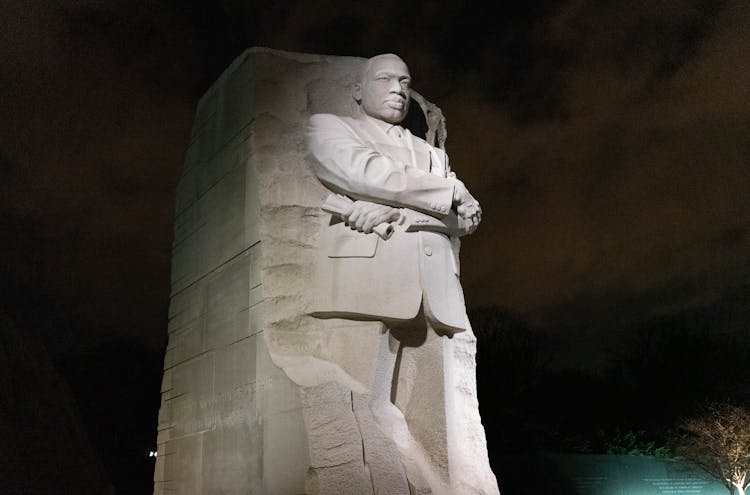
607	141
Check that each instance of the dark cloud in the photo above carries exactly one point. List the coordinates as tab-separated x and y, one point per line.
96	149
630	190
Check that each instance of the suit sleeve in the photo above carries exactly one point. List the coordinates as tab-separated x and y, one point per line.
346	164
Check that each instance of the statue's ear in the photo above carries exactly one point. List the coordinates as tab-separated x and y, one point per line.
357	92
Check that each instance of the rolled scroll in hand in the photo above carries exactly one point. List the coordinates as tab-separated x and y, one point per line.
337	204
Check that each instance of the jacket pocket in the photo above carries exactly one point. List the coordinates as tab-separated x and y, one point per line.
348	243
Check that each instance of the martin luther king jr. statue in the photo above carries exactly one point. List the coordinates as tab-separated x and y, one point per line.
390	255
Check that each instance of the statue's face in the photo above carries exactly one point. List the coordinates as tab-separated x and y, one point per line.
384	89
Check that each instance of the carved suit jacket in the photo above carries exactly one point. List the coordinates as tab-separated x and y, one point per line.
361	276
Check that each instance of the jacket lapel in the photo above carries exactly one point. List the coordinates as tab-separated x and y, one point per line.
391	146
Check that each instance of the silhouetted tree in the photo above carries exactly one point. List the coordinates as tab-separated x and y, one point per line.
510	363
510	346
680	365
44	447
718	441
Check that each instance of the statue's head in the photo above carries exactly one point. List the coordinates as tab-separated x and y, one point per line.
383	88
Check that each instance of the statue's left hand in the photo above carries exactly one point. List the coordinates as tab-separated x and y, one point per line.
366	215
466	205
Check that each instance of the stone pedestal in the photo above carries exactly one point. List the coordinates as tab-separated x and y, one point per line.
244	365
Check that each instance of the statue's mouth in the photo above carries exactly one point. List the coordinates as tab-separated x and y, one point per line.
397	104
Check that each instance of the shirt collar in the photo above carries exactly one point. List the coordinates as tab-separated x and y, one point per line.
387	127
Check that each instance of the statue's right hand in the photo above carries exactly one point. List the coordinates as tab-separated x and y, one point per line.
365	215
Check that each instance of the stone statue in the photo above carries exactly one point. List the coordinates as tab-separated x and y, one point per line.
389	254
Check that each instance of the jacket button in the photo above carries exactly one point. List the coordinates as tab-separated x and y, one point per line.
428	251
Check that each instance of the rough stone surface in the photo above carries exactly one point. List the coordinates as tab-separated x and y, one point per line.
258	397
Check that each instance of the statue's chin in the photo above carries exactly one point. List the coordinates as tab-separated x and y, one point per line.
393	116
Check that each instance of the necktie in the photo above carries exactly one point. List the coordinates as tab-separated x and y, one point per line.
397	131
